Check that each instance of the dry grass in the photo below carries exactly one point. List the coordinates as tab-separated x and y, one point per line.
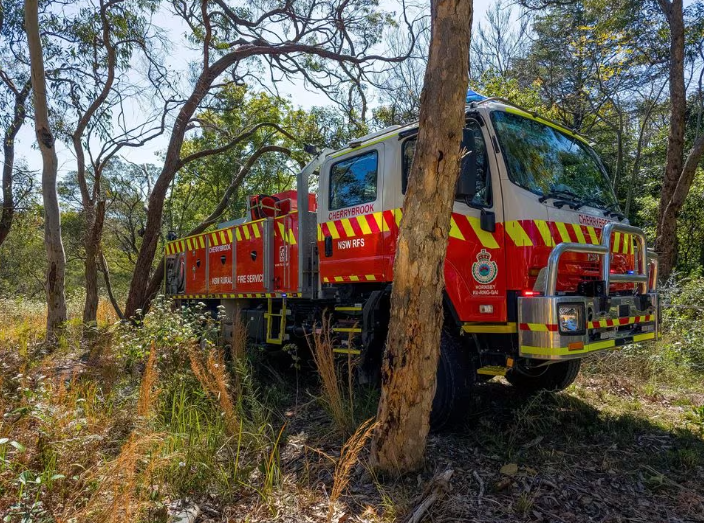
238	349
349	456
239	337
147	389
338	400
213	377
124	484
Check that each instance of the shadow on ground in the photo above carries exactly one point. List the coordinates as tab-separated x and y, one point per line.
549	458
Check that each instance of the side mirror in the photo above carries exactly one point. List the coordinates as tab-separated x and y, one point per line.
328	246
487	221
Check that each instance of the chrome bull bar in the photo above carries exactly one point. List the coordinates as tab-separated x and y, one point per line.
646	260
605	321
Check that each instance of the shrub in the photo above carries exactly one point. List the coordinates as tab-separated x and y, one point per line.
683	322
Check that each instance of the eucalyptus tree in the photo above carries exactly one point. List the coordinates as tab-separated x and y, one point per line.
413	344
94	89
331	47
500	41
681	165
56	257
259	140
15	87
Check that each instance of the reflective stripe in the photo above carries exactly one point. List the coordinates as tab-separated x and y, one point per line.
589	347
562	230
544	231
455	231
363	225
518	234
592	234
485	238
578	231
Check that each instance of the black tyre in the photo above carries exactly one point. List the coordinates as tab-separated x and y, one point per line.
456	375
554	377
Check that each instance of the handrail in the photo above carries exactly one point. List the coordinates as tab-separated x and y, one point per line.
640	275
654	266
648	260
556	254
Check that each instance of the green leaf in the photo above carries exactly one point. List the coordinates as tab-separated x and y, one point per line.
18	446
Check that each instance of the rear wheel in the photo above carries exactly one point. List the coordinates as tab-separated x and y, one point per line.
455	377
553	377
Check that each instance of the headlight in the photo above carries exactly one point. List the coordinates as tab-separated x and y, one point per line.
571	318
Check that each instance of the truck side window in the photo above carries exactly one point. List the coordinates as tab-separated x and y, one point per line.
473	142
353	181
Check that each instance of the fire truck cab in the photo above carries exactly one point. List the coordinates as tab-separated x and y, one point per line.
542	268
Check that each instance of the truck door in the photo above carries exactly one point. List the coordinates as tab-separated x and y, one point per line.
475	267
349	216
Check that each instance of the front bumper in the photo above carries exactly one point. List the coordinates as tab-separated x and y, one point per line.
608	323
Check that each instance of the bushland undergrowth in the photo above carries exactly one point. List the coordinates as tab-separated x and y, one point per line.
148	419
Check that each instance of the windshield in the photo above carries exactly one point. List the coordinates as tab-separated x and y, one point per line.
551	163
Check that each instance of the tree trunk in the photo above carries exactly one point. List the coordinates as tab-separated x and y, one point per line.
108	285
56	258
619	156
90	271
636	168
93	239
8	166
93	208
412	351
666	241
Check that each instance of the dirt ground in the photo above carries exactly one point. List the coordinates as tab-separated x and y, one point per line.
602	451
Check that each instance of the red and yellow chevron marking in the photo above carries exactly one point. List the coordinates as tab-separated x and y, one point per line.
462	228
541	233
249	230
187	244
600	324
240	295
580	348
175	247
539	327
281	232
356	226
195	242
220	237
347	279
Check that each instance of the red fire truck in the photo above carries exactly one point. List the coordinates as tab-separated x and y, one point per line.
542	268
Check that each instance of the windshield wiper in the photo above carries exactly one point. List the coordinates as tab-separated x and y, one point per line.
562	197
594	202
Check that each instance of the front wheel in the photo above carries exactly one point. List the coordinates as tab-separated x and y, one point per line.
456	375
553	377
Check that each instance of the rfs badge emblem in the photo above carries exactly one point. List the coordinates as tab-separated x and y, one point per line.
484	269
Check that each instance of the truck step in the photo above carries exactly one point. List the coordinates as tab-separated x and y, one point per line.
347	329
492	371
344	350
349	309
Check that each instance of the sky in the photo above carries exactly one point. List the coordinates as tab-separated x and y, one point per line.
178	61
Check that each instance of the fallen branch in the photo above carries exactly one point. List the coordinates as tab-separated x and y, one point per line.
481	487
437	488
